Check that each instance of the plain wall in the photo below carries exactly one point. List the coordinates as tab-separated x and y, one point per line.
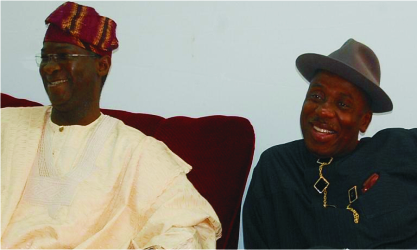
227	58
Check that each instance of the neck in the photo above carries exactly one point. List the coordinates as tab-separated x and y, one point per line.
75	117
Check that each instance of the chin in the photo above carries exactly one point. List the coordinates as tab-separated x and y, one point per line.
321	152
61	106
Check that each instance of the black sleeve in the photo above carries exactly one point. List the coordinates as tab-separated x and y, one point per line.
251	220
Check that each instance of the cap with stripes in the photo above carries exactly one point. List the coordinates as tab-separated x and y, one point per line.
82	26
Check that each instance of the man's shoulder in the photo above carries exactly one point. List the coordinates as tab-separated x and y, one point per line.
9	110
133	134
282	158
150	147
280	167
129	135
396	132
391	147
284	149
16	114
125	129
395	137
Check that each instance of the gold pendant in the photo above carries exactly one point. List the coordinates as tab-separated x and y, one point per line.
352	198
321	184
356	216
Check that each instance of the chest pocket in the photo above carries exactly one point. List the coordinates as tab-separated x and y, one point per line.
388	214
387	195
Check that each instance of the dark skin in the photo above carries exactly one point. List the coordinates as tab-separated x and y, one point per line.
334	112
73	87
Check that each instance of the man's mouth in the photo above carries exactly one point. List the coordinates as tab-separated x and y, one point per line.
325	131
322	135
54	83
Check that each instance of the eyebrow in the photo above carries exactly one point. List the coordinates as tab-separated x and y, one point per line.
315	84
346	95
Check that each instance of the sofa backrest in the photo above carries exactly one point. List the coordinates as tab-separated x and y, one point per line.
219	148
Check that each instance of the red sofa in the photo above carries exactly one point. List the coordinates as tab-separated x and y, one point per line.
220	149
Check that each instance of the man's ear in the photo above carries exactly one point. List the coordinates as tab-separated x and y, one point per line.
103	65
364	123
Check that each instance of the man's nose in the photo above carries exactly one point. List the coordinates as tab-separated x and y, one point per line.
325	110
50	66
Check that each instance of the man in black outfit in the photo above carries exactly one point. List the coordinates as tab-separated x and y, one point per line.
331	190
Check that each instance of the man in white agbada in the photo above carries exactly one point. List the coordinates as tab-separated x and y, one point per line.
75	178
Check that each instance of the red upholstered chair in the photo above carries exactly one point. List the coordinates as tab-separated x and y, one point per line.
220	149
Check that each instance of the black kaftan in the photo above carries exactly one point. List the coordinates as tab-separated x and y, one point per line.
283	210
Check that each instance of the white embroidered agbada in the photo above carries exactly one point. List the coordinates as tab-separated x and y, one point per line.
72	189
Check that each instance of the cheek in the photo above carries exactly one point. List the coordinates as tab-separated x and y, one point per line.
83	73
303	111
41	73
348	121
350	128
308	107
43	76
79	77
305	114
75	72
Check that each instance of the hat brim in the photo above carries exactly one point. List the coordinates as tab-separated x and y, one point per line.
308	64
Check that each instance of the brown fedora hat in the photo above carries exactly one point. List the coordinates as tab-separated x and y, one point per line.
354	62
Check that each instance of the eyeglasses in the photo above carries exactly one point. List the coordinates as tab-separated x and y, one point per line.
58	58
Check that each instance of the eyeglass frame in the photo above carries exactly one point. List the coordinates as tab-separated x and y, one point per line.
39	57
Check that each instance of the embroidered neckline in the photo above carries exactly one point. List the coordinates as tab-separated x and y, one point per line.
45	186
56	127
101	128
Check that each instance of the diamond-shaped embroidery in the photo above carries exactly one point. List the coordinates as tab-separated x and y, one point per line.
353	194
321	184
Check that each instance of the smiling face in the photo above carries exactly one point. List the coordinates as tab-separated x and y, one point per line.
71	84
333	114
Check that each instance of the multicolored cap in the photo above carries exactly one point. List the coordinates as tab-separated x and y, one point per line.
82	26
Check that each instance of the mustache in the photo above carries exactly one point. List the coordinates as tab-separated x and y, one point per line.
317	119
